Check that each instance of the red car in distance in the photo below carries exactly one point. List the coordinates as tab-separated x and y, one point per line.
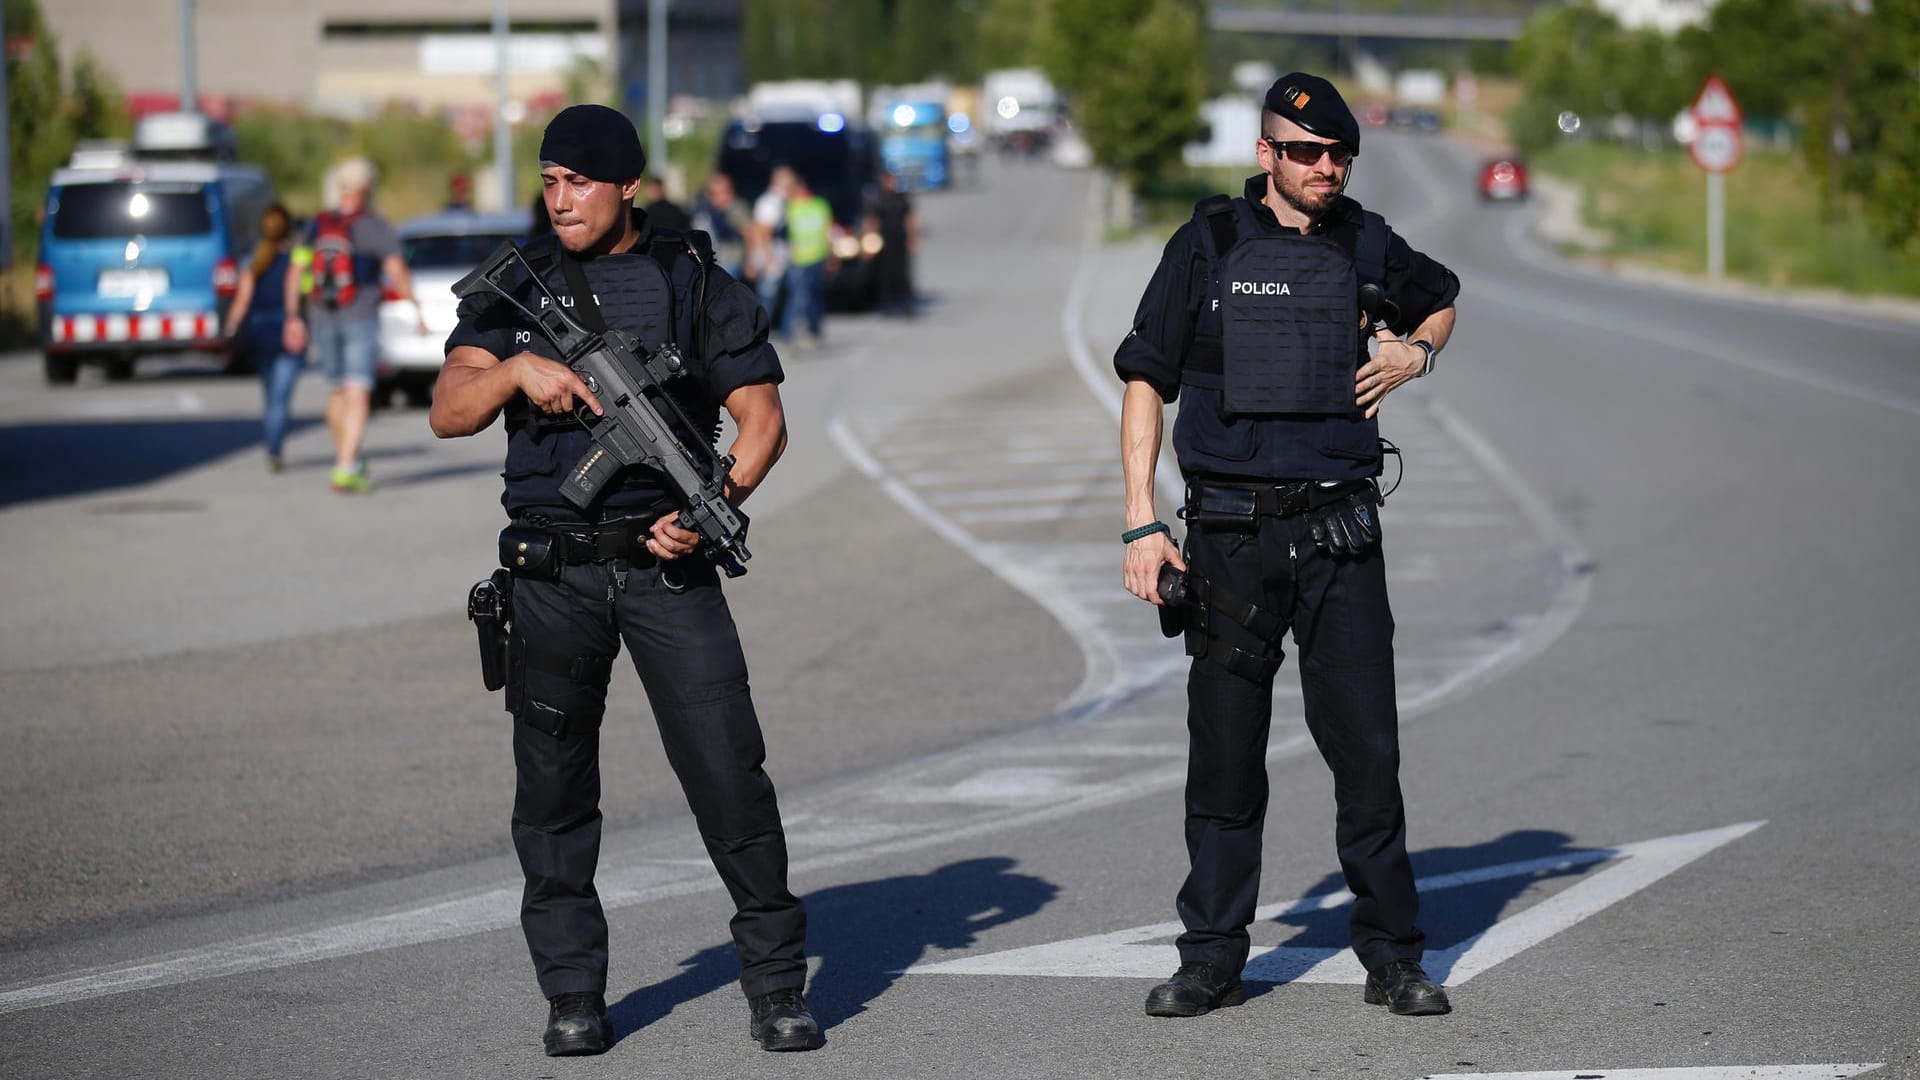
1502	179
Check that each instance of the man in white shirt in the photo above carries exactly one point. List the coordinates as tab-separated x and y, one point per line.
767	241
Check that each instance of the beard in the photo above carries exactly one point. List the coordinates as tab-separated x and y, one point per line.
1309	201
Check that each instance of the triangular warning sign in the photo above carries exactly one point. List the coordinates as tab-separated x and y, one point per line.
1715	105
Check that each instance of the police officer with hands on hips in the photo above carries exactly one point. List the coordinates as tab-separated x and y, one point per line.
1257	320
623	570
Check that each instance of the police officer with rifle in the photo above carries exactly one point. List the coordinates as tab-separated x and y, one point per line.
610	347
1257	320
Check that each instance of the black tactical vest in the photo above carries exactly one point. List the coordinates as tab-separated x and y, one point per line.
1329	438
656	293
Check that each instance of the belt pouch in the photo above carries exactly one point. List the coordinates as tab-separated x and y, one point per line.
1222	509
529	551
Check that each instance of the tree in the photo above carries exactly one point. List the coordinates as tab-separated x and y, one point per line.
815	39
1882	121
922	40
1777	56
1136	70
47	114
1010	33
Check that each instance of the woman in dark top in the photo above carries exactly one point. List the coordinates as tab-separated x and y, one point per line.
255	321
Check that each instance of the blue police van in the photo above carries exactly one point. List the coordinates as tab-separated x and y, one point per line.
141	251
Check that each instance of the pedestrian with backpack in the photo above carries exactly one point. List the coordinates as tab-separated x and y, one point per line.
335	307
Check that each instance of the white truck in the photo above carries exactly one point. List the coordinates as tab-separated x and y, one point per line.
1021	107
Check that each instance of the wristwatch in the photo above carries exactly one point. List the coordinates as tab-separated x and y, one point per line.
1427	347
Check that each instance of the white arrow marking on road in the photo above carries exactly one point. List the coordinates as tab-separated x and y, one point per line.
1709	1073
1122	954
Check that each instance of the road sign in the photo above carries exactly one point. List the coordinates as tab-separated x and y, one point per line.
1716	149
1717	143
1715	105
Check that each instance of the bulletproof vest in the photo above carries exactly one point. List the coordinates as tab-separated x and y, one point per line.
1271	429
1296	335
1289	309
654	295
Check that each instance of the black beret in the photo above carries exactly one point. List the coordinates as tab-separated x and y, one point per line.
597	142
1313	103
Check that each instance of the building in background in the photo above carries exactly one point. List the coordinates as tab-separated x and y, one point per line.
351	57
706	54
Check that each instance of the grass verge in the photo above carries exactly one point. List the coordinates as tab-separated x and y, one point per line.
1654	206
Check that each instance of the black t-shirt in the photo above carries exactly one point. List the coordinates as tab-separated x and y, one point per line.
729	351
1163	324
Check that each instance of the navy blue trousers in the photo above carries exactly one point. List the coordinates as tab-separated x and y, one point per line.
687	652
1343	629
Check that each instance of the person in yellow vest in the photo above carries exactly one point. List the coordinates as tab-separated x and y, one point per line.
809	246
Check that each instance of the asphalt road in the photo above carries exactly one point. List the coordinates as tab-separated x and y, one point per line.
1651	575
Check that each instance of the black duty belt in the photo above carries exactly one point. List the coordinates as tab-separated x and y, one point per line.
1282	499
625	539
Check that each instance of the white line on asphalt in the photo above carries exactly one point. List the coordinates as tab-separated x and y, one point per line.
1694	1073
1126	954
987	471
991	496
1054	512
1529	300
1107	389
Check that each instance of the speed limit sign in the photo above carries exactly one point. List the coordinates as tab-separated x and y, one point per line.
1716	148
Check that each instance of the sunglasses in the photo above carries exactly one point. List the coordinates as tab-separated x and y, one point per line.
1302	152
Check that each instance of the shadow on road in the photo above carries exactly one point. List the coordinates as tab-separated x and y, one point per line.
865	935
47	461
1451	915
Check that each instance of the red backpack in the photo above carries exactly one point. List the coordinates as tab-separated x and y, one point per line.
337	275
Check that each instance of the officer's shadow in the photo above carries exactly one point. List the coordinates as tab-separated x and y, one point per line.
1464	891
865	935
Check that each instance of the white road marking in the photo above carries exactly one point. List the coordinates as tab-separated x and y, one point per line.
994	495
1051	512
1140	953
1538	303
1694	1073
1528	300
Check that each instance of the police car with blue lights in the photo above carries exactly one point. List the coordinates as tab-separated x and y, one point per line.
141	248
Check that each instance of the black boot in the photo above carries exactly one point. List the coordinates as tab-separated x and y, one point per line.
577	1024
1194	990
780	1021
1403	987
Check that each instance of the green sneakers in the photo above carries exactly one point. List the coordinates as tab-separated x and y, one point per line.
352	481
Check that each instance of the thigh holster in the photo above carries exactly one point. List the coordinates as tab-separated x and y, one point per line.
1192	603
553	692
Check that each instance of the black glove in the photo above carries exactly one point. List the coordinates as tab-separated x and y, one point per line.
1346	527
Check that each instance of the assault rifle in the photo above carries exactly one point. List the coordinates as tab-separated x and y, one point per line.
639	427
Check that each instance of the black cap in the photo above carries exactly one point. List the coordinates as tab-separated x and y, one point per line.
1313	103
597	142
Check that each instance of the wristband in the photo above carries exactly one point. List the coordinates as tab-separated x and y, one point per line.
1143	531
1426	347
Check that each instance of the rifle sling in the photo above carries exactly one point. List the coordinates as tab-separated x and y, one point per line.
583	302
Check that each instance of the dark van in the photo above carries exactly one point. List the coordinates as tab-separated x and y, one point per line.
142	255
840	162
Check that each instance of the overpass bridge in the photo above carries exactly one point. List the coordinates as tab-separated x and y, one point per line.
1366	24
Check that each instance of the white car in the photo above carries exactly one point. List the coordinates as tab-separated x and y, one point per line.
439	249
